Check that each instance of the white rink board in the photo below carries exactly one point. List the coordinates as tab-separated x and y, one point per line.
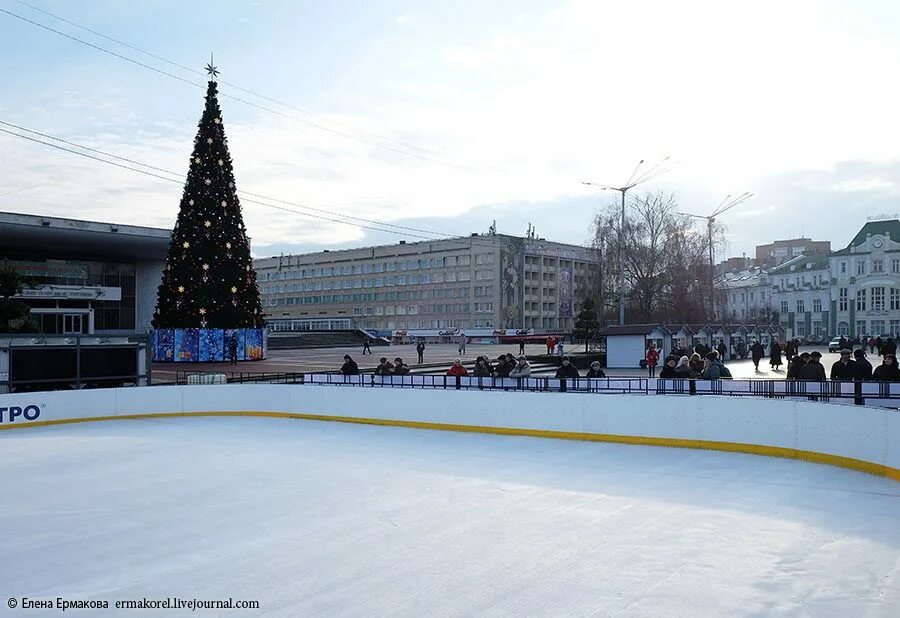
864	433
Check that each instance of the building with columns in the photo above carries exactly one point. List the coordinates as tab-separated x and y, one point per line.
865	291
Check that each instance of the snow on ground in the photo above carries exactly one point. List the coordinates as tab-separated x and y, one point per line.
323	518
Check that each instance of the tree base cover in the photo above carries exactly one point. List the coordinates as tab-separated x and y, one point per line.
207	345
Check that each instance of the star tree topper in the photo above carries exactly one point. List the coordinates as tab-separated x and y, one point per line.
211	69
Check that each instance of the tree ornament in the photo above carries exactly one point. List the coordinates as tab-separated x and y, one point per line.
217	120
234	289
224	204
207	223
190	202
181	289
209	140
202	311
206	267
221	162
197	160
228	245
186	244
208	182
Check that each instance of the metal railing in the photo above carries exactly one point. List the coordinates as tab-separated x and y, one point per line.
884	394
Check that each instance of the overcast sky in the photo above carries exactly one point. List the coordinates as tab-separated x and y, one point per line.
446	115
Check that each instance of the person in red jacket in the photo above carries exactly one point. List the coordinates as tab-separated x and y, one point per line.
457	369
652	359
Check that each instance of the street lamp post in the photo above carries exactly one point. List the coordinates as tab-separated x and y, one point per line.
634	181
727	204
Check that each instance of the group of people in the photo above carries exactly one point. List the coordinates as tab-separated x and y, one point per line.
508	366
851	367
695	366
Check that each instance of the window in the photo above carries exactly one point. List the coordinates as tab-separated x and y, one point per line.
861	267
878	266
895	299
484	307
843	268
784	307
860	327
860	300
800	306
817	305
842	299
895	265
895	327
878	299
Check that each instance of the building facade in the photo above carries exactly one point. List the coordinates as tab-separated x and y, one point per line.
781	251
801	293
747	295
865	298
85	277
473	282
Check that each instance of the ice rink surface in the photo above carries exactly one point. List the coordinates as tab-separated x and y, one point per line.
313	518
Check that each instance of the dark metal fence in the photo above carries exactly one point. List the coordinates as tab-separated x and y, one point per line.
885	394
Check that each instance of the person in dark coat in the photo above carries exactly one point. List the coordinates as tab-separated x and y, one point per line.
366	347
812	369
400	368
384	368
757	351
595	371
481	369
887	371
796	363
696	365
420	350
567	369
863	367
789	351
668	370
845	368
890	347
775	354
842	342
349	368
721	349
522	346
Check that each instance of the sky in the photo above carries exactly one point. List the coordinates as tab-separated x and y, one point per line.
445	116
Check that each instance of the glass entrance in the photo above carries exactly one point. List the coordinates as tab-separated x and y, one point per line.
73	323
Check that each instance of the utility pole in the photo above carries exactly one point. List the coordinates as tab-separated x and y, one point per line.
633	181
727	204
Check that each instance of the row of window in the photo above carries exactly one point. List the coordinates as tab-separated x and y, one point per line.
370	297
877	266
411	309
359	269
378	282
874	297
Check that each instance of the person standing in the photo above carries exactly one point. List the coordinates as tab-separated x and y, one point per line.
652	359
722	350
462	344
756	353
522	345
887	371
366	347
872	344
349	368
420	350
812	370
668	370
549	345
775	354
795	364
789	351
567	369
845	368
863	367
232	349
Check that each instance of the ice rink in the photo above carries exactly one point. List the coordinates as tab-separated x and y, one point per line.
316	518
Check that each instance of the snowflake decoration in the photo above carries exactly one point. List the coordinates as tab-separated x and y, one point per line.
233	289
202	311
217	120
181	289
221	162
197	160
190	202
228	245
207	181
206	267
186	244
209	140
207	223
224	204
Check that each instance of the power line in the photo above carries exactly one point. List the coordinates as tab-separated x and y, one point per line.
180	178
239	99
410	233
230	84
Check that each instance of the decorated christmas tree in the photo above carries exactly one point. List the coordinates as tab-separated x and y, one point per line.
209	281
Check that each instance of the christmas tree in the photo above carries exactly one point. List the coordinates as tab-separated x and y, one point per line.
209	281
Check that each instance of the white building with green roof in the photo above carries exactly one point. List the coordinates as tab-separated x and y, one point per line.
866	282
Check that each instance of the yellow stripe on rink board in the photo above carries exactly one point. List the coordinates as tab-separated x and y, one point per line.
733	447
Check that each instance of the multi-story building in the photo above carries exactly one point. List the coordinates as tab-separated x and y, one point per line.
801	293
747	295
780	251
865	295
478	281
